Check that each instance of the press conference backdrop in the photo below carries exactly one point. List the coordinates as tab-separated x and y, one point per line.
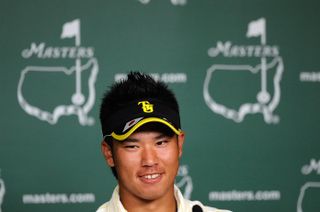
246	74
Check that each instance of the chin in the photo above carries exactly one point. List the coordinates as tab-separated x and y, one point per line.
150	196
152	193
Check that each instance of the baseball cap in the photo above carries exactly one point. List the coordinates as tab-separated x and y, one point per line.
135	114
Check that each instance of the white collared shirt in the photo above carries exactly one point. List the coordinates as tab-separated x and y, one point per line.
184	205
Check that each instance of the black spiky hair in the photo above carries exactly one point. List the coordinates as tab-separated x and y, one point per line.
137	85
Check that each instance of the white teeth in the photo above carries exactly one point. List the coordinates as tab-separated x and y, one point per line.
151	176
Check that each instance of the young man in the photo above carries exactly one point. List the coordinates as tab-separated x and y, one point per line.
142	144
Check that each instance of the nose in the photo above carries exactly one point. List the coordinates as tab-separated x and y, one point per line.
149	157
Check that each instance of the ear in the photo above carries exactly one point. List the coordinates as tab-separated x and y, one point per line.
180	143
107	153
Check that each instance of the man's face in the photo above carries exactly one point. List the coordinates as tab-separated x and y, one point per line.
146	164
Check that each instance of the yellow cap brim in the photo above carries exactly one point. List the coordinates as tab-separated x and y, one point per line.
142	122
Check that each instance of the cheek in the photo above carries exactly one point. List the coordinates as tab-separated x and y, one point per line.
125	163
170	156
170	161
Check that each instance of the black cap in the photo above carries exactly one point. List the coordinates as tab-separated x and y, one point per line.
137	113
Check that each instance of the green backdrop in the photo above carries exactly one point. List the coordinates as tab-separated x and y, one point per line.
246	74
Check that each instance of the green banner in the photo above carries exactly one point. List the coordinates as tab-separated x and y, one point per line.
244	72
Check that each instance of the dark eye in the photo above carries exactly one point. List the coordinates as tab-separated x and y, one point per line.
162	143
131	147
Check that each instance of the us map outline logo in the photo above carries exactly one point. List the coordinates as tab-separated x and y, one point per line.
81	105
266	104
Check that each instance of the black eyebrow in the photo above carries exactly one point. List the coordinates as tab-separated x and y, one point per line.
162	135
130	140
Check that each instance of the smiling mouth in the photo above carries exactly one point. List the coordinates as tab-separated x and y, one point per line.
151	178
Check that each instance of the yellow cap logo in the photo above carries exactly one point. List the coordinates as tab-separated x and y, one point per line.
146	106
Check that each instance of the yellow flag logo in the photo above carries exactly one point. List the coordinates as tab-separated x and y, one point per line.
146	106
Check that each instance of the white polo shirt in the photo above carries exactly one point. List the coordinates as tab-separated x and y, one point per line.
184	205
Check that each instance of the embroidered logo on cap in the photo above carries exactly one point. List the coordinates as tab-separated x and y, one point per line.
131	123
146	106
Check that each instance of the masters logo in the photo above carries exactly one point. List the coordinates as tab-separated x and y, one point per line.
269	63
82	99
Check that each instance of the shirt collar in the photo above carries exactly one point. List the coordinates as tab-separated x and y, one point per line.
117	205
